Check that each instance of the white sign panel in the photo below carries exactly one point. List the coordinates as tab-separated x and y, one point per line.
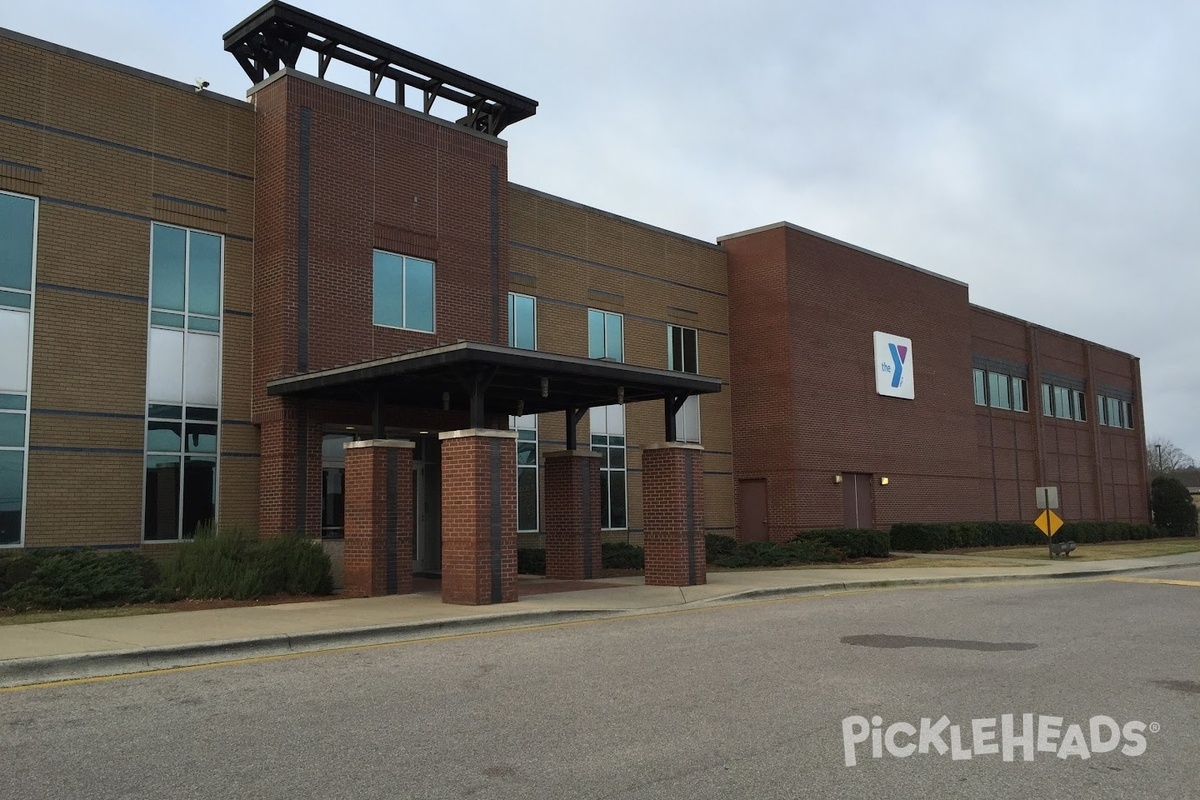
893	366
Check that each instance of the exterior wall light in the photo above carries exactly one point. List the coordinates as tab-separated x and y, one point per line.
883	481
837	478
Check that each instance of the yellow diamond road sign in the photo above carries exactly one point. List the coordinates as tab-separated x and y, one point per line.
1048	522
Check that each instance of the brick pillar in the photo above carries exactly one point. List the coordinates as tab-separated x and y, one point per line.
289	472
479	516
379	517
572	521
673	514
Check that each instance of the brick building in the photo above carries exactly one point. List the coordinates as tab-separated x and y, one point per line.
329	311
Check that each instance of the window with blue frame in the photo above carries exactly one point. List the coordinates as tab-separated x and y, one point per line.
606	335
522	321
403	292
182	382
18	231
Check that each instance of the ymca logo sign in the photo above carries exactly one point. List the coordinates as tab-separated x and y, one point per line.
893	366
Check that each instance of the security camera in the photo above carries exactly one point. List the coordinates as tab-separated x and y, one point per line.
201	84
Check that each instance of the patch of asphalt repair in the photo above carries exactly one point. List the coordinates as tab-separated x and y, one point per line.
890	641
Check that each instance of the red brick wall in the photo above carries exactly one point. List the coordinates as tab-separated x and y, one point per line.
368	520
1019	451
567	557
802	313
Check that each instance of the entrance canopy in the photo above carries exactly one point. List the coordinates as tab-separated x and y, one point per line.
488	379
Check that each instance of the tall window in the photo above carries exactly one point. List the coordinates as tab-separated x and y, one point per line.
608	439
522	321
183	383
1063	402
1114	412
999	390
18	227
682	357
402	295
527	472
606	337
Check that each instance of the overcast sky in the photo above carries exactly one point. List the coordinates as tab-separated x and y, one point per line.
1043	152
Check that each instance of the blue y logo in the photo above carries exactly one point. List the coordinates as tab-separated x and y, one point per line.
899	353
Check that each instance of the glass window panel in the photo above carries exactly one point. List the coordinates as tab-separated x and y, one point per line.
12	430
691	359
595	334
12	483
598	421
1020	396
687	421
14	351
168	246
527	500
202	364
201	438
164	368
1128	415
162	497
202	414
199	493
333	502
166	318
1100	410
165	411
980	382
527	453
613	343
14	299
616	488
1080	406
204	273
616	458
674	347
163	437
1114	412
15	402
605	498
333	448
525	322
204	324
418	294
388	289
512	320
16	242
1047	405
616	419
1062	402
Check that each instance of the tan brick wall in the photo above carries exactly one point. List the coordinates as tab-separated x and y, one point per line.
102	148
572	258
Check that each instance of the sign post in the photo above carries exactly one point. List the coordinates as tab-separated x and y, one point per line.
1048	522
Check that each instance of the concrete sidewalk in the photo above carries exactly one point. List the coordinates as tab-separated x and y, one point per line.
52	651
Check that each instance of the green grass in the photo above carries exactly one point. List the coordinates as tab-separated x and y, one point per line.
34	617
1100	551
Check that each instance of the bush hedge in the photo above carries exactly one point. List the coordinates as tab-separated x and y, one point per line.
620	555
820	546
924	537
1172	506
232	565
851	542
57	579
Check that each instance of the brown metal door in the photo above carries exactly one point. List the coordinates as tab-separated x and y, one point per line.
856	500
752	511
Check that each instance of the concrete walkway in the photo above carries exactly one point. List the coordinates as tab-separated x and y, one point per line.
53	651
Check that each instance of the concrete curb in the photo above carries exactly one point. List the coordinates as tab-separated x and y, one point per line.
75	666
849	586
54	669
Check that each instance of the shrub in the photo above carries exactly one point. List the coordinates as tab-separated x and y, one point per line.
620	555
233	565
531	561
770	554
928	536
718	544
1172	506
850	542
76	578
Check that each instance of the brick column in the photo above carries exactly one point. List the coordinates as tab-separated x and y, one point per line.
289	472
379	517
572	521
673	514
479	516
